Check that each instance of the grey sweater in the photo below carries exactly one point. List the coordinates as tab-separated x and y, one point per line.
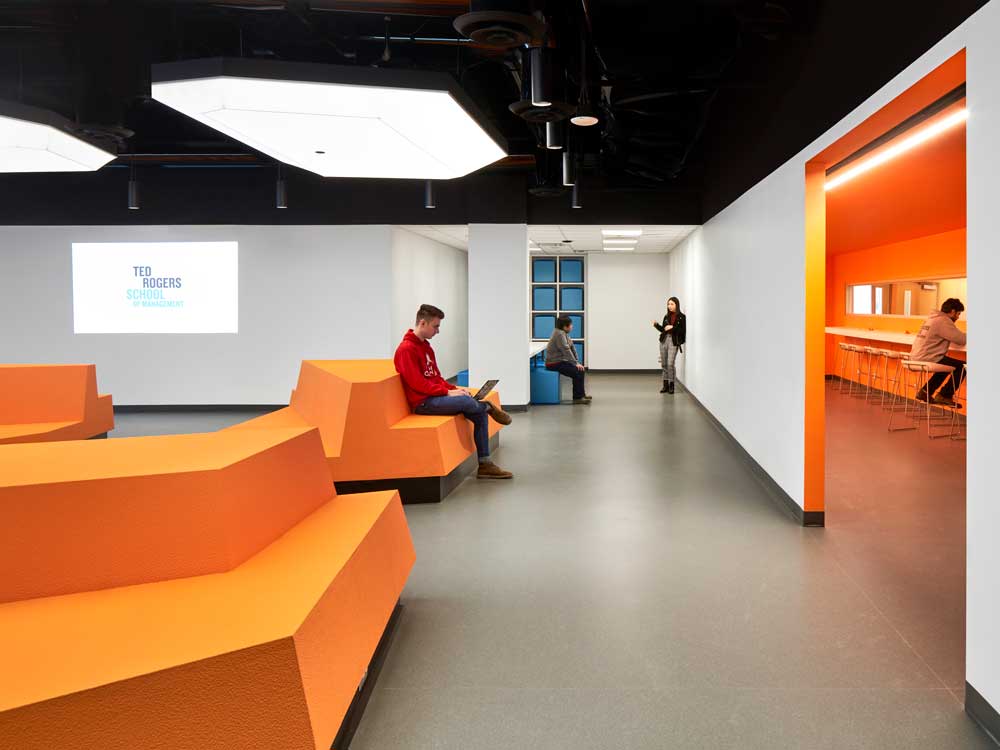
936	336
560	349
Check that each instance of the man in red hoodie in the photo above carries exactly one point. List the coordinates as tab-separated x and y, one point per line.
429	393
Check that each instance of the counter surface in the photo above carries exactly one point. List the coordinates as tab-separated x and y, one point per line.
894	337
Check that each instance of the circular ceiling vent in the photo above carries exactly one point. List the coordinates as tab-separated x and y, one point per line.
499	29
555	112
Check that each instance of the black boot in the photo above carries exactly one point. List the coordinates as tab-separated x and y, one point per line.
666	387
670	386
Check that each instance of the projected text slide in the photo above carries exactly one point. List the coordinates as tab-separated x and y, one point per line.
155	287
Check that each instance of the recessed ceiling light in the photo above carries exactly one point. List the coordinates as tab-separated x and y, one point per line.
336	121
615	249
621	232
36	140
621	242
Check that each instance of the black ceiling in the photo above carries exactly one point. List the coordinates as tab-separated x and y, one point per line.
698	100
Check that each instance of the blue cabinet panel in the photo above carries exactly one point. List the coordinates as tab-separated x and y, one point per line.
543	269
543	298
572	298
571	270
542	326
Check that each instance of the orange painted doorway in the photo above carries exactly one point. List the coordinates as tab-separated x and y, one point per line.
821	238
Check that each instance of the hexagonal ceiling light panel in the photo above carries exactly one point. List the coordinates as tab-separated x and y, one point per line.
336	121
37	140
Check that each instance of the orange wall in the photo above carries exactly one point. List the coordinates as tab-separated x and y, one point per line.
938	256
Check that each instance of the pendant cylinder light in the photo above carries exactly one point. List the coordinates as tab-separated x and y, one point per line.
553	135
133	193
576	195
540	95
280	192
429	194
568	169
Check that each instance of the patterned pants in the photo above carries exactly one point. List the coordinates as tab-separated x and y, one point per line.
668	354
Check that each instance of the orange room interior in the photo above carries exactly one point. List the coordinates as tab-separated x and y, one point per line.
902	220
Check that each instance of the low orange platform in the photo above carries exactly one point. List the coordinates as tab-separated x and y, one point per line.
369	432
52	402
268	655
97	514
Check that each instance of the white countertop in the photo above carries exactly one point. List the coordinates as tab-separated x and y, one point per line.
895	337
534	347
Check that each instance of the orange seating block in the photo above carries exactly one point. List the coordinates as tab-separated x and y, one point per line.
368	429
52	402
191	592
97	514
267	655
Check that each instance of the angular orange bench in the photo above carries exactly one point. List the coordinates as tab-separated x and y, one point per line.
52	402
276	599
372	439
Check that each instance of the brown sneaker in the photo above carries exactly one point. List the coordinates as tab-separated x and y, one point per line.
490	470
498	414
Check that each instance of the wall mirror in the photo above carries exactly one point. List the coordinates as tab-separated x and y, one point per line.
915	298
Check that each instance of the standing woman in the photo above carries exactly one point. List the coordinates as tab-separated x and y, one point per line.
673	332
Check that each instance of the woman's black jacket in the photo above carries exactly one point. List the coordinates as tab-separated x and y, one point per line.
678	333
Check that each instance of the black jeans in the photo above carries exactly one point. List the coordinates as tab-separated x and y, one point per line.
570	371
939	377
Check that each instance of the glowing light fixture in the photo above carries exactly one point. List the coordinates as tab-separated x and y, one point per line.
901	146
336	121
36	140
621	242
622	232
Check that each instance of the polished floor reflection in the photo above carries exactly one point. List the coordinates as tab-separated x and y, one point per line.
634	587
896	523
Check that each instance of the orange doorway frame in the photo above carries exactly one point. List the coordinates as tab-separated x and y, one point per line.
929	89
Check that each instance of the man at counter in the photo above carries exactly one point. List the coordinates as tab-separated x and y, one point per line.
933	341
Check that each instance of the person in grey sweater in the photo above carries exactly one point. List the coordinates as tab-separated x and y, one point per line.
560	355
933	341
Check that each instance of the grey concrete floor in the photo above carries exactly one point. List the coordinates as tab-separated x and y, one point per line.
634	587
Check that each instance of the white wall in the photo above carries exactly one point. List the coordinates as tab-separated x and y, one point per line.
498	308
427	271
305	292
751	257
624	292
983	510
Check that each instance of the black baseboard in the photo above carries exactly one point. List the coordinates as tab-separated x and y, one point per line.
102	436
415	490
357	708
773	489
657	371
515	408
985	715
178	408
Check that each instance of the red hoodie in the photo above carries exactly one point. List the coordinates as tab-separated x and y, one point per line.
417	368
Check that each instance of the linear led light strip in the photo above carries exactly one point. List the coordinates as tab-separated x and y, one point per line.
906	144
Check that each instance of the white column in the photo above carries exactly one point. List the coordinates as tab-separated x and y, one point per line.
498	309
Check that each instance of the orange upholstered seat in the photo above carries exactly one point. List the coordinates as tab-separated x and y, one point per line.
52	402
196	592
102	513
368	429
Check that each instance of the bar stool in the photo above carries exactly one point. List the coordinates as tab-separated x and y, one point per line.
956	420
873	357
921	373
893	376
850	351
